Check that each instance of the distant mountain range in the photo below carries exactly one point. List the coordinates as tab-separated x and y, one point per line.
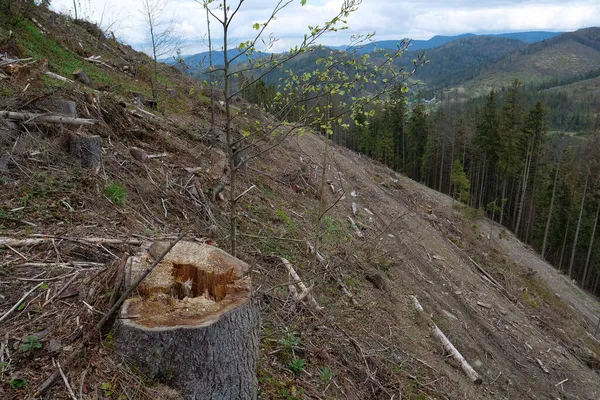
201	60
473	64
437	41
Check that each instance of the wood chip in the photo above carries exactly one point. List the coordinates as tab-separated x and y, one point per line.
484	305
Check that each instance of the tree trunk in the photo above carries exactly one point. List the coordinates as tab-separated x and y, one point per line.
193	325
502	201
515	206
210	78
88	149
441	181
564	244
549	220
483	178
526	171
590	247
32	118
578	226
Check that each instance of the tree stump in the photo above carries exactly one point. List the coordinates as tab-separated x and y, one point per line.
192	324
82	77
59	106
88	149
218	163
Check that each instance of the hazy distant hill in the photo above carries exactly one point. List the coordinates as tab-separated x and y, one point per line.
201	60
437	41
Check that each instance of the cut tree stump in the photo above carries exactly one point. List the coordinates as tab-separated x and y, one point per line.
218	163
81	76
66	108
88	149
192	323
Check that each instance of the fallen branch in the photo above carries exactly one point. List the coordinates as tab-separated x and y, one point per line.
135	284
542	366
312	250
13	308
70	264
45	118
6	241
96	60
62	289
561	382
66	381
356	229
58	77
118	280
144	112
305	292
244	192
346	290
479	268
449	347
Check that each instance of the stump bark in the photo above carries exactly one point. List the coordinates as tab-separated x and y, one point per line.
82	77
193	324
88	149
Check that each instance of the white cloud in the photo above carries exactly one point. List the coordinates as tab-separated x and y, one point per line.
391	19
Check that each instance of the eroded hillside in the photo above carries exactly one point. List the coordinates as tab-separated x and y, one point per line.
64	229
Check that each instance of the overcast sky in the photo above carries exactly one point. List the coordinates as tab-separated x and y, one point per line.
390	19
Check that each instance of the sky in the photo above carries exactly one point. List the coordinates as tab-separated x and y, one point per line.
388	19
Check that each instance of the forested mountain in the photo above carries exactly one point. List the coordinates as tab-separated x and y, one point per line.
461	59
561	57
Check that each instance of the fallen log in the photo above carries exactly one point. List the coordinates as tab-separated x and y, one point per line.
192	322
355	227
44	118
22	299
304	291
449	347
58	77
5	242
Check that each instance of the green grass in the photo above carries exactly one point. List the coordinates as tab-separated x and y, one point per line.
116	193
64	62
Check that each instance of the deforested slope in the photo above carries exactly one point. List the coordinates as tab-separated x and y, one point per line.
65	228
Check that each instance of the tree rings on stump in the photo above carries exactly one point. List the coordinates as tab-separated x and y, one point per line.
192	323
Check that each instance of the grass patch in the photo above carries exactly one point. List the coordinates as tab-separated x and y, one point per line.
116	193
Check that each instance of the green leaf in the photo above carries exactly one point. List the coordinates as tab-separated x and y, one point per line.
256	26
43	286
21	306
303	2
